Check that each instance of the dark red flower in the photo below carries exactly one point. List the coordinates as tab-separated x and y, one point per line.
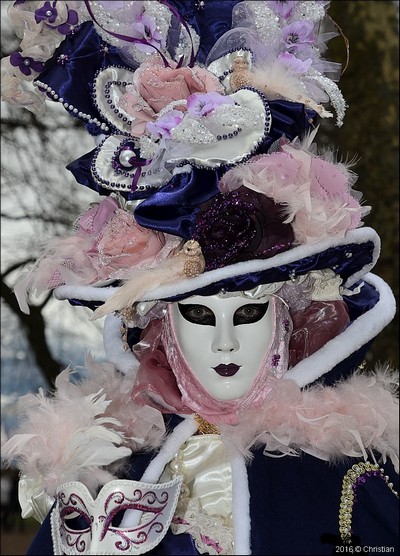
241	225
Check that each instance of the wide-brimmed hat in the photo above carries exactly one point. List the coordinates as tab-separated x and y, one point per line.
205	154
276	220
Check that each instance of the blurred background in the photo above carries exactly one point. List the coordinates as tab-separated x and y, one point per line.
40	200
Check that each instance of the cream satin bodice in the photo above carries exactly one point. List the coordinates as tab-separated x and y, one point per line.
205	506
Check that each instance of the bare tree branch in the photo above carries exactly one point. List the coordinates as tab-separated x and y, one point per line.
34	327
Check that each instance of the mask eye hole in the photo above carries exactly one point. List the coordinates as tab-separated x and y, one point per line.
197	314
75	520
250	313
117	517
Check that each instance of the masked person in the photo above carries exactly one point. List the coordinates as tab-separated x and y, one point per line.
234	413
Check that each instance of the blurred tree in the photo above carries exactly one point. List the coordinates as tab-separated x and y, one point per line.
40	201
370	132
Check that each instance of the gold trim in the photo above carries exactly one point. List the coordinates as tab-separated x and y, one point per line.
204	427
347	497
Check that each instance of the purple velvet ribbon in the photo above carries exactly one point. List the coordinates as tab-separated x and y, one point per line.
135	162
139	166
186	26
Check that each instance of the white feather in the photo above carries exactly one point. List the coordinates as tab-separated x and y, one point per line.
276	80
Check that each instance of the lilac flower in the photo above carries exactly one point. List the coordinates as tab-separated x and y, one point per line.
146	27
298	34
283	7
46	13
25	63
162	127
202	104
113	5
295	64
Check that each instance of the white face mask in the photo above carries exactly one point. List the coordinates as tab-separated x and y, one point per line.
224	340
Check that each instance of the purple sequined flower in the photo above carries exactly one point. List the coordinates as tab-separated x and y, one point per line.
299	34
25	63
202	104
241	225
162	127
283	7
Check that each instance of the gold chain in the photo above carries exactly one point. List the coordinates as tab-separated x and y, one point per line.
204	427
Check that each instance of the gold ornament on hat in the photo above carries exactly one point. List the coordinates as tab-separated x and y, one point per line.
194	263
188	262
241	75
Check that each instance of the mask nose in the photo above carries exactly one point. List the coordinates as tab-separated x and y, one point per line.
225	340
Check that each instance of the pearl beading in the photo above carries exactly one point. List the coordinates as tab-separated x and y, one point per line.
107	96
121	185
102	98
70	107
117	185
332	90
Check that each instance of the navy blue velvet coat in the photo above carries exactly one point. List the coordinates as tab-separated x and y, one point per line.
294	509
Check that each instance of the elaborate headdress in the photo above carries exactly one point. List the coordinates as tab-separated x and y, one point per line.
205	156
208	174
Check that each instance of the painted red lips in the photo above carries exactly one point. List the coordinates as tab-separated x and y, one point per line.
227	370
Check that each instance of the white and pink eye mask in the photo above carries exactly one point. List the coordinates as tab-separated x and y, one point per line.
82	524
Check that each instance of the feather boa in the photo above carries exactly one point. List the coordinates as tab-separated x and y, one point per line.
87	427
357	415
187	261
275	78
106	245
84	427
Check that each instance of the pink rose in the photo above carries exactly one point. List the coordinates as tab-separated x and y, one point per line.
154	87
92	221
124	244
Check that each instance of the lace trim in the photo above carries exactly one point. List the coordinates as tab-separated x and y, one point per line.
212	534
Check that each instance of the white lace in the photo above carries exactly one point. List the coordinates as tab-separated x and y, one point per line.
211	534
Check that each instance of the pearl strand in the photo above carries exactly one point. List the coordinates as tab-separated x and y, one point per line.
176	467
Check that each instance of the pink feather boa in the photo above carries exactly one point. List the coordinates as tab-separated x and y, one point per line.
357	415
84	429
83	432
